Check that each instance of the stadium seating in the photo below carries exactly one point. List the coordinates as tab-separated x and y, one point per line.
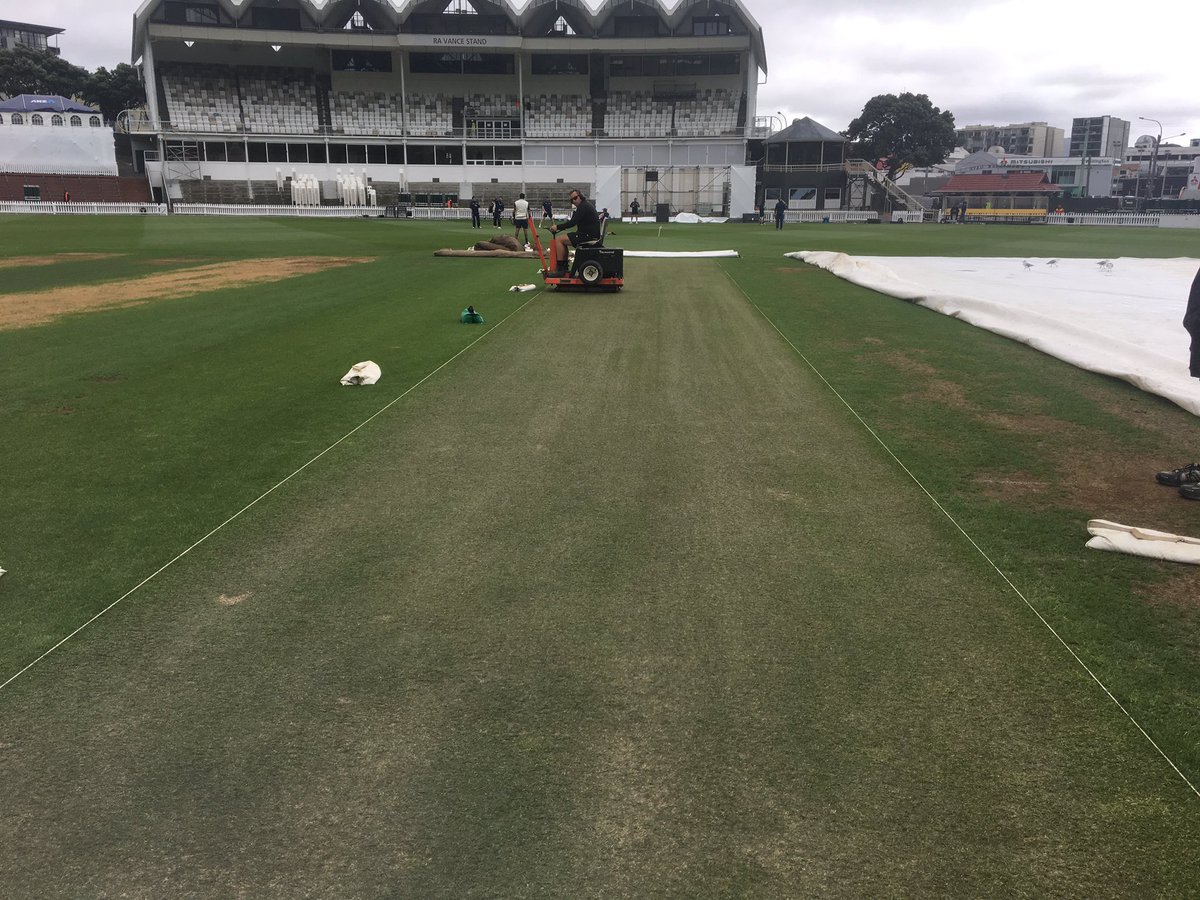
201	98
278	101
365	112
637	114
558	115
713	112
429	115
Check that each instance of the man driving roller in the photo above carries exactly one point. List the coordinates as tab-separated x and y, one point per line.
586	223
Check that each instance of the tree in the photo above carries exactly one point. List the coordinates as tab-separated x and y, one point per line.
115	91
24	70
904	129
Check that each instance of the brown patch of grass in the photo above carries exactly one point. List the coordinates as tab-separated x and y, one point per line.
1179	590
873	340
39	307
17	262
233	599
1010	486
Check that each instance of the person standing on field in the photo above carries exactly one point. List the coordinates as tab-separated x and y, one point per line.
634	209
475	213
521	218
780	209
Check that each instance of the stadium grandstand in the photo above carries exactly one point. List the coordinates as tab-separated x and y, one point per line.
436	101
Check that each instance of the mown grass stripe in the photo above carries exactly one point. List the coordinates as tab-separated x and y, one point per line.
263	496
970	539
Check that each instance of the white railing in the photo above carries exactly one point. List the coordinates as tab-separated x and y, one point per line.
442	212
27	168
82	209
1137	219
250	209
827	215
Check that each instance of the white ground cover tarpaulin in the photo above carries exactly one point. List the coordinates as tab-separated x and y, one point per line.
1120	317
1143	542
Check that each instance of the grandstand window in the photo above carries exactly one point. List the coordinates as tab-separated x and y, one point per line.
461	63
460	8
76	121
420	155
376	154
1	120
356	154
559	64
273	17
658	65
214	151
36	119
297	153
724	64
361	60
236	152
316	153
691	65
276	152
710	25
395	155
191	13
18	119
256	151
635	26
56	120
357	23
562	26
624	66
337	153
94	121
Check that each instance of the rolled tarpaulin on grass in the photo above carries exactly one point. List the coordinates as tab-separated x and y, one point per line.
1119	538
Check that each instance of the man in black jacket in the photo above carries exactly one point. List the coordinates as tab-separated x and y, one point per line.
586	223
1191	321
1187	478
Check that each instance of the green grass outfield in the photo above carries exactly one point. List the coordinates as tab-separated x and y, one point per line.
612	596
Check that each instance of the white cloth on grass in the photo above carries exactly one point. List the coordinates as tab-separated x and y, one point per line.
362	373
680	254
1121	319
1143	542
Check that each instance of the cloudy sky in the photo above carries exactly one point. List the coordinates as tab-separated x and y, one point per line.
987	62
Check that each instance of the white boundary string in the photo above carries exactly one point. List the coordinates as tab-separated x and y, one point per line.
265	493
970	539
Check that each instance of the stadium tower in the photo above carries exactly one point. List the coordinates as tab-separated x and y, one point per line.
436	100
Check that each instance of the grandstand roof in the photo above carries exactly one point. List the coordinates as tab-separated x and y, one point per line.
28	26
43	103
806	129
1009	183
391	13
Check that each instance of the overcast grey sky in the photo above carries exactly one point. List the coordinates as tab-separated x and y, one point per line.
987	62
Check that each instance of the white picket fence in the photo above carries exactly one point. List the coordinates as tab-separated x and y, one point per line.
833	216
249	209
1134	219
37	207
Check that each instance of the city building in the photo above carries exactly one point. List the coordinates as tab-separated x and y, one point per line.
1098	136
23	34
1025	138
1162	175
1072	175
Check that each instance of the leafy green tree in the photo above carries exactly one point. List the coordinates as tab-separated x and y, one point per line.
27	71
115	91
904	129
